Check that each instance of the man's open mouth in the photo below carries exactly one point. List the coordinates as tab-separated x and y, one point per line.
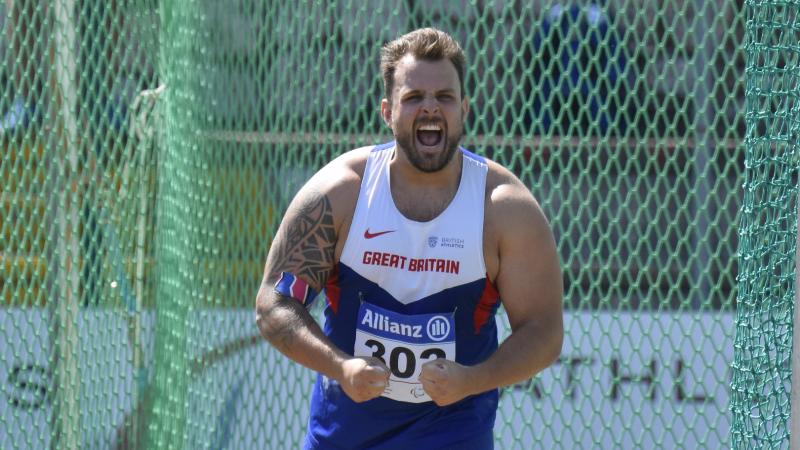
430	135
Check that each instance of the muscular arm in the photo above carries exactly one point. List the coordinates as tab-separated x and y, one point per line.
305	246
530	284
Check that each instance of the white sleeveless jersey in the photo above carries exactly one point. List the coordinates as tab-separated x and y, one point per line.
408	292
412	260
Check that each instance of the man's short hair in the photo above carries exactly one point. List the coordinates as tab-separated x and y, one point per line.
428	44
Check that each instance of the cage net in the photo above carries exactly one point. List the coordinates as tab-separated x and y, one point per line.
150	148
768	229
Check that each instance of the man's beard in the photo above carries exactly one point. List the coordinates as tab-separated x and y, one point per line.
407	143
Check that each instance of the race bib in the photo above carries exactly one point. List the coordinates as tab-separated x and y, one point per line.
404	343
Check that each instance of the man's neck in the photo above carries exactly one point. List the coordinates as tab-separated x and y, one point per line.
423	196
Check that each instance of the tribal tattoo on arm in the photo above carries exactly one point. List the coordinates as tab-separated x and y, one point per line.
304	247
307	241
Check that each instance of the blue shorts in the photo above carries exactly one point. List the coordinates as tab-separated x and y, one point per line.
479	441
337	422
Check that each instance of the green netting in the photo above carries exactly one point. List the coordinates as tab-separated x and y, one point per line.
767	267
149	149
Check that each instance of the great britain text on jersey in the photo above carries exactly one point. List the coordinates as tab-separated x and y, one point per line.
411	264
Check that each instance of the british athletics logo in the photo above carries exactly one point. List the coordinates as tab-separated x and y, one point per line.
449	242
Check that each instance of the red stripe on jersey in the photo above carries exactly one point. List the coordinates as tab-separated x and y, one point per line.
333	291
483	311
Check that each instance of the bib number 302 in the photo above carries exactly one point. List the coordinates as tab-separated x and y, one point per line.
402	361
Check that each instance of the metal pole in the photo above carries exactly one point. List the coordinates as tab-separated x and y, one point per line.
703	88
794	430
68	379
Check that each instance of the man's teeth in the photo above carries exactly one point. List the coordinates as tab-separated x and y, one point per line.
430	128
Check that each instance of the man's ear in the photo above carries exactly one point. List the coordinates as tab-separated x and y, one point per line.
465	107
386	112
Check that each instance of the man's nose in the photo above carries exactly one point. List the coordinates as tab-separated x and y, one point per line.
430	105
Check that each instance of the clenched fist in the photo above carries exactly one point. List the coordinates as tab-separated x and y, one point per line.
445	381
364	378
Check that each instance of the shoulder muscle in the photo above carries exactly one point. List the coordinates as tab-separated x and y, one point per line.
529	274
